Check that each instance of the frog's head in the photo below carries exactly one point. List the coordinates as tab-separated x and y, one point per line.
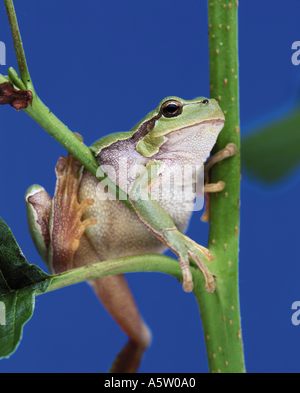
170	127
177	120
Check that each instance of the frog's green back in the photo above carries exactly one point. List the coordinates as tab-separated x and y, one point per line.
117	136
108	140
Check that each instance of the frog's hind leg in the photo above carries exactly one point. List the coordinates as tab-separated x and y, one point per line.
115	295
71	249
229	151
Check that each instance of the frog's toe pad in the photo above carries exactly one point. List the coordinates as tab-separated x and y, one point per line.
188	284
214	187
210	284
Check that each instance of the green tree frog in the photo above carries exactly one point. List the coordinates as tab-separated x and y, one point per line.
85	224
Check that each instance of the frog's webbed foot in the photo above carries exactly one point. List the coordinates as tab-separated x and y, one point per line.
161	225
229	151
186	248
67	227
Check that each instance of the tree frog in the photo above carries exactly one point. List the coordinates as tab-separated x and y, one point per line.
84	224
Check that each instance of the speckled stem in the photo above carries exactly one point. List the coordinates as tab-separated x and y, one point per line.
220	311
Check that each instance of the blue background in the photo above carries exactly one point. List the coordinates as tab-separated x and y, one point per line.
100	68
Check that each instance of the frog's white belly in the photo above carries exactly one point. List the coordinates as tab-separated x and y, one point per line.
119	232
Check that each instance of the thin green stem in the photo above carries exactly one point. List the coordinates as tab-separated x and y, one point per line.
45	118
16	80
21	59
60	132
220	311
137	263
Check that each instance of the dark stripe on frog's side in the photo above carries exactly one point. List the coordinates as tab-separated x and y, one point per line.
130	143
144	129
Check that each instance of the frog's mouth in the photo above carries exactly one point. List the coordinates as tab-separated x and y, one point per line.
192	143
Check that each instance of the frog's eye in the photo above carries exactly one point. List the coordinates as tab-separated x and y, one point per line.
171	108
205	101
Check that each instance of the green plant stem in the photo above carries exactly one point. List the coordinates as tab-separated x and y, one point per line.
45	118
137	263
220	311
60	132
21	59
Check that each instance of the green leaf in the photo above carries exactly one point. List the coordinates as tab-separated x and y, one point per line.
272	152
19	282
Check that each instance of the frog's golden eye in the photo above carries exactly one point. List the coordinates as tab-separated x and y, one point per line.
171	108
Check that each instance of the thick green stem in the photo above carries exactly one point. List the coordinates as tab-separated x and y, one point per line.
220	311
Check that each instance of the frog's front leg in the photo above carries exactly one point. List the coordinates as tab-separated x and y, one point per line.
66	227
229	151
161	225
